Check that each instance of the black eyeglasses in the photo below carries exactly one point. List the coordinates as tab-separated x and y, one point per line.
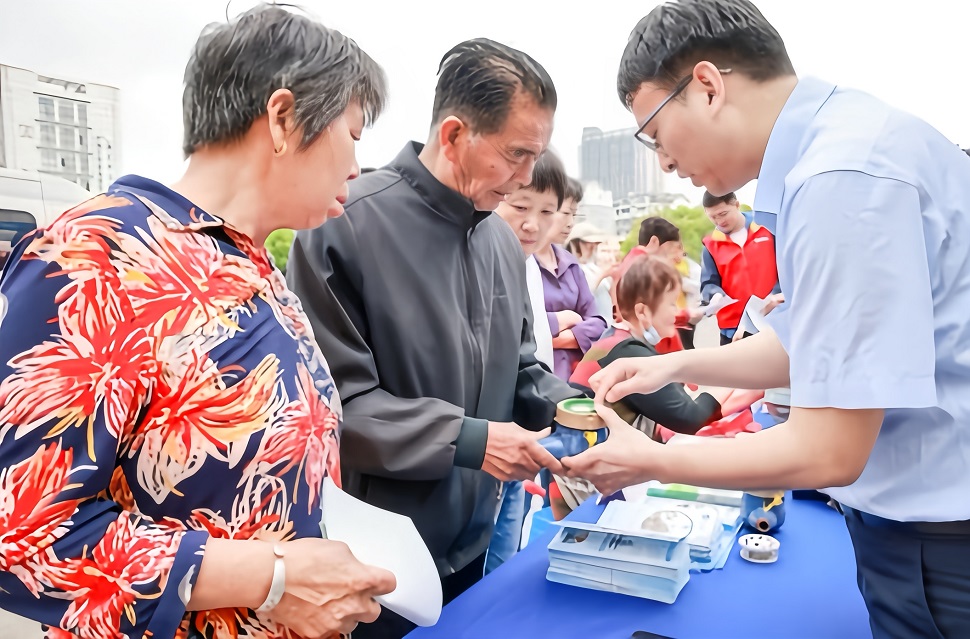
645	139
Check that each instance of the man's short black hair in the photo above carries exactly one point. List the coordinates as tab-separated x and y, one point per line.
664	230
478	80
671	39
713	200
574	190
549	175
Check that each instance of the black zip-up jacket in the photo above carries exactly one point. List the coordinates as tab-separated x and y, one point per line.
419	303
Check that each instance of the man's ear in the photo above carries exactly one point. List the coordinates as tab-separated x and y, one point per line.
710	80
452	134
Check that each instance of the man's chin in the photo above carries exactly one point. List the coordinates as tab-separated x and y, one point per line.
488	202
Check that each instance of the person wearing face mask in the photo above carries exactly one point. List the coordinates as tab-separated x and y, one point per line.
418	297
646	297
661	238
647	292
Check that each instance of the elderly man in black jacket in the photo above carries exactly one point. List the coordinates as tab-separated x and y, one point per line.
418	298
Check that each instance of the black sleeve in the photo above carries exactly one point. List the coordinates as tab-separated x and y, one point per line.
382	434
670	406
710	277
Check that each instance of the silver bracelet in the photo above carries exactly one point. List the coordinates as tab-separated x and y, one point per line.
278	587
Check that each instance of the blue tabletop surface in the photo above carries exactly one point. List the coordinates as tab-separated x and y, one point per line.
809	593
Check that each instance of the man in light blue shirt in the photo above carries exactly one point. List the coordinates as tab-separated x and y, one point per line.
871	211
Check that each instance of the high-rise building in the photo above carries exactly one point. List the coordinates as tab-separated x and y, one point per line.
619	164
60	127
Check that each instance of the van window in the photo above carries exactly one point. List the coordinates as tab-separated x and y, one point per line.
14	225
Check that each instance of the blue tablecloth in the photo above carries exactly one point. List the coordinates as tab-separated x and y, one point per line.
809	593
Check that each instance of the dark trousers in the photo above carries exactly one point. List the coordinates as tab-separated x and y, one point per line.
914	577
391	625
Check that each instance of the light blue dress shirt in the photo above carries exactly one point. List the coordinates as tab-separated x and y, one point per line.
871	211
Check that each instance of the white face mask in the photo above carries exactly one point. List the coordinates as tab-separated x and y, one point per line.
651	336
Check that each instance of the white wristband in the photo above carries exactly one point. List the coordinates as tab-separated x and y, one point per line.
278	587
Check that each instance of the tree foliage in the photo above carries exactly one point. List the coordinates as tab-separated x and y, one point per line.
278	244
692	222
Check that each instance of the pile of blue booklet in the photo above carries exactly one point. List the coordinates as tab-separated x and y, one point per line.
644	548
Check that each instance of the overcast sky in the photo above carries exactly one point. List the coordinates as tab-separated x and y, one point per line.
914	55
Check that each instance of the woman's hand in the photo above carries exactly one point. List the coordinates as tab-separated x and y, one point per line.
568	319
624	459
327	590
565	340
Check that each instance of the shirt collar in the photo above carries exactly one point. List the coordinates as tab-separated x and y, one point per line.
178	214
785	142
445	201
564	257
173	210
720	236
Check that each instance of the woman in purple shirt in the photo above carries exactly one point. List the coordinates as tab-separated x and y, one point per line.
570	306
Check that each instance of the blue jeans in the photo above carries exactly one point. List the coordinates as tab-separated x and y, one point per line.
508	525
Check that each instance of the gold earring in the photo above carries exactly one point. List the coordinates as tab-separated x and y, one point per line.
282	149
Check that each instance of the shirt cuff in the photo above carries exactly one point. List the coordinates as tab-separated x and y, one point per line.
709	406
470	445
178	588
588	331
869	391
553	323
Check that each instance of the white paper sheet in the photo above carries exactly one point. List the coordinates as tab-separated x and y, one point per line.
718	302
753	319
390	541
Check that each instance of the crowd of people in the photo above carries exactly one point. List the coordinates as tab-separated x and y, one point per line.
170	402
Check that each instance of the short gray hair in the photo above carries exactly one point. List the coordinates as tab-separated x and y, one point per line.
479	79
235	67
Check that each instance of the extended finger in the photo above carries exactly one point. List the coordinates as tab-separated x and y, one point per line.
545	459
606	380
579	466
382	582
529	467
542	434
618	391
609	416
369	612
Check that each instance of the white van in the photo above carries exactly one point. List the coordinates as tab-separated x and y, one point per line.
29	200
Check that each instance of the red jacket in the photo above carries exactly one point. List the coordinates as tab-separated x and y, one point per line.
745	271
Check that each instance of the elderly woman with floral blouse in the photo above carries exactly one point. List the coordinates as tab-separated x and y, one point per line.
166	418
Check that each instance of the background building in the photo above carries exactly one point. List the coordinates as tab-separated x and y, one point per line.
597	208
59	127
636	207
619	164
615	166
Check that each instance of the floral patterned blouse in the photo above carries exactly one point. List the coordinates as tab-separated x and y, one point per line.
159	385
